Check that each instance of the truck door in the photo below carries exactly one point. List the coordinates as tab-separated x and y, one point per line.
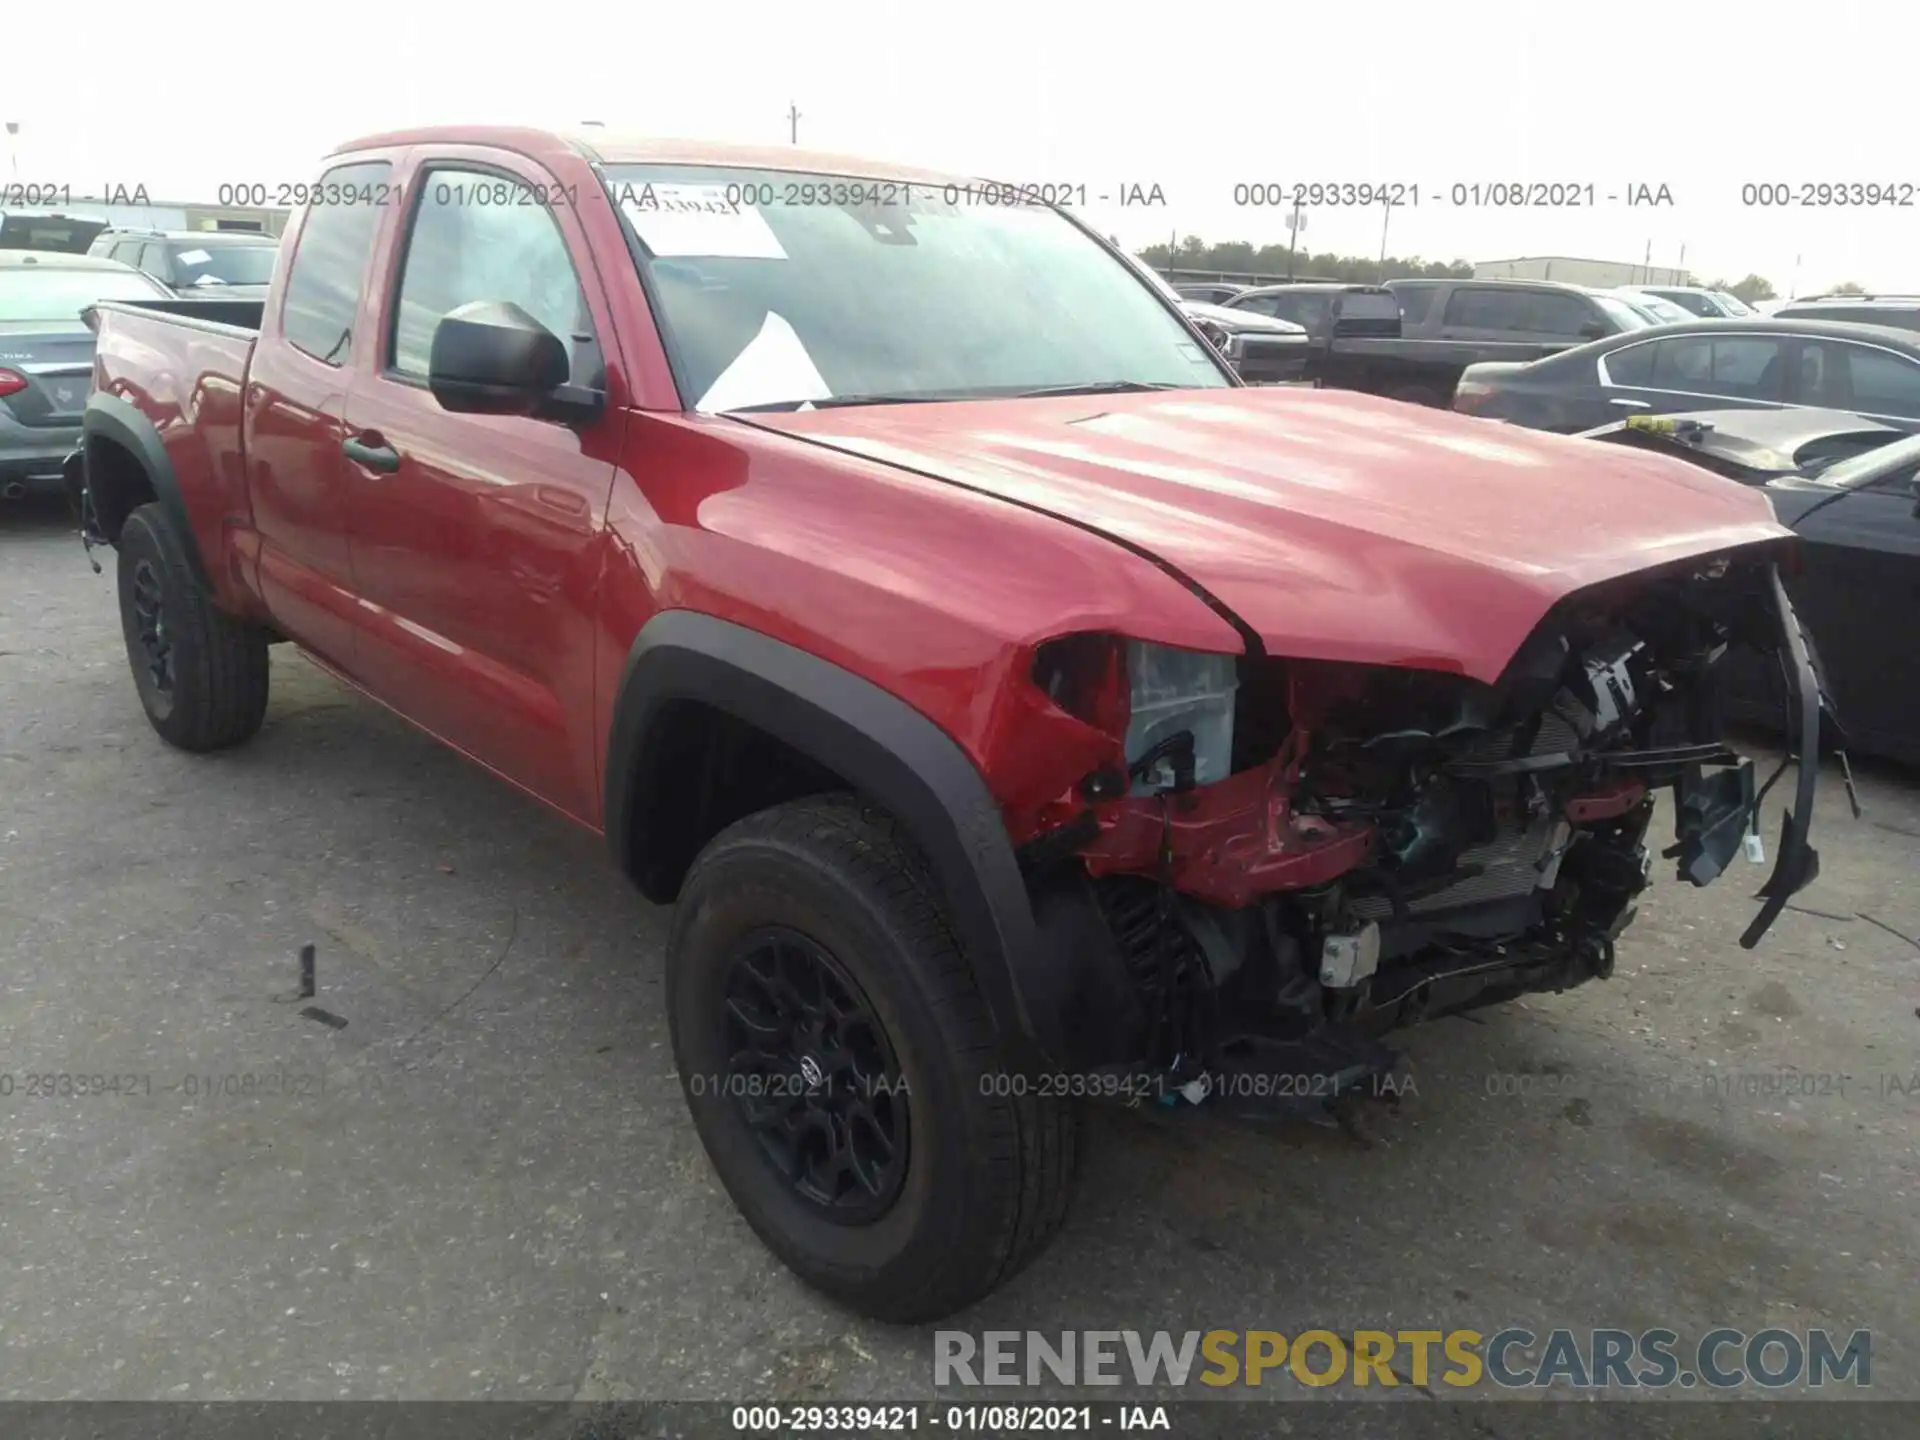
295	398
476	538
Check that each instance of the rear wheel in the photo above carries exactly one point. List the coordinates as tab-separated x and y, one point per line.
843	1070
201	673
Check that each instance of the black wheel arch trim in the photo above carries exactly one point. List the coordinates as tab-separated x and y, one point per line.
891	753
109	417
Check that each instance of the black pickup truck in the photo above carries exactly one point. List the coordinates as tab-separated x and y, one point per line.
1359	340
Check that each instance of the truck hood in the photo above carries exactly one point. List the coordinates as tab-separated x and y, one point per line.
1335	525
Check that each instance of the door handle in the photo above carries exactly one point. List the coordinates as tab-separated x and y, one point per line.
371	452
1629	404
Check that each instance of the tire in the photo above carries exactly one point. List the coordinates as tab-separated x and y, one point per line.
987	1175
201	673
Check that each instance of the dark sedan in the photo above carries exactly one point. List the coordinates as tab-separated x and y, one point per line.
1858	587
1706	365
46	357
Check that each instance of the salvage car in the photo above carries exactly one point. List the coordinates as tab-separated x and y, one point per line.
1710	364
1657	310
1036	715
1703	302
46	358
1854	499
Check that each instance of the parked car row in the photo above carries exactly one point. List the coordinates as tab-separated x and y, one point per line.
1870	370
46	351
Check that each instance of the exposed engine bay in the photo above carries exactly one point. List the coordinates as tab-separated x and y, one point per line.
1348	849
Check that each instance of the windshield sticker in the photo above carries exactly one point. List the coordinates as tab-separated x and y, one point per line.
698	221
774	367
193	257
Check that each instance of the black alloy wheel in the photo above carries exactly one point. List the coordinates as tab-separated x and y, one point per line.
150	625
815	1077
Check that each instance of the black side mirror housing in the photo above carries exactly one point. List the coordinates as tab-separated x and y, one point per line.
490	357
1594	330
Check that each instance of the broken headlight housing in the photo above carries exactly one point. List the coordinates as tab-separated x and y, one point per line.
1171	709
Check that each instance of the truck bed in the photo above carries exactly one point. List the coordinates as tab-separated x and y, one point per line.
178	367
225	314
1388	365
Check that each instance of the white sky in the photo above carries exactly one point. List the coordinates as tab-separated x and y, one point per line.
1696	94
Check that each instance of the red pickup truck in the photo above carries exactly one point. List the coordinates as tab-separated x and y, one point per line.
1021	709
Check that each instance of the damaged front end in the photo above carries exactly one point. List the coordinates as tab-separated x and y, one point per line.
1280	860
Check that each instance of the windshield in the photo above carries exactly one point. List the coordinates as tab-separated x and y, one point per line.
35	294
1865	468
224	265
1623	314
776	287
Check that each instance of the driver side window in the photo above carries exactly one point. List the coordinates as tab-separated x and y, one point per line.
480	236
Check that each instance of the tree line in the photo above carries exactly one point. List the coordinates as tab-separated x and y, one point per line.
1240	257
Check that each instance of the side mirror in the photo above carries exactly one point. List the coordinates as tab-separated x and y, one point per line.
490	357
1594	330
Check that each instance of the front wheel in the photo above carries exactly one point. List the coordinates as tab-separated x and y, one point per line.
201	673
843	1070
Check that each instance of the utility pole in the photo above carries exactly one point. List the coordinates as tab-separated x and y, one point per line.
793	123
13	154
1296	222
1386	214
1683	264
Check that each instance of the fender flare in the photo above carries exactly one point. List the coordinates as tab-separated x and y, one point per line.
112	418
890	752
